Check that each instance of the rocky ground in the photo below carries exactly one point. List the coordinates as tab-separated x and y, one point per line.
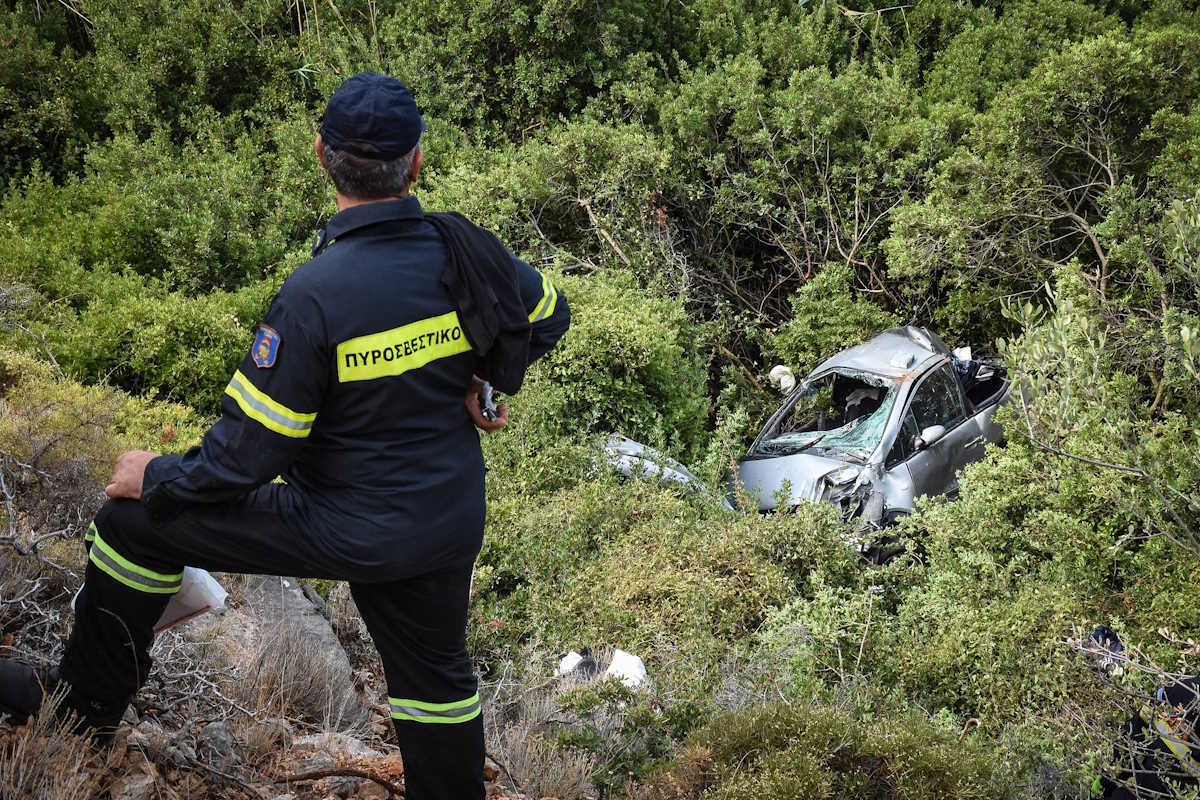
146	761
262	701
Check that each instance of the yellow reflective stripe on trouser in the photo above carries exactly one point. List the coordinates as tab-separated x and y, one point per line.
1177	746
269	413
545	306
122	569
396	351
90	536
439	713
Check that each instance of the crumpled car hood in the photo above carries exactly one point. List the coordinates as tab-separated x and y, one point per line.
764	477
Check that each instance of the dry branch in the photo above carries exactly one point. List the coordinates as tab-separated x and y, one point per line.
348	772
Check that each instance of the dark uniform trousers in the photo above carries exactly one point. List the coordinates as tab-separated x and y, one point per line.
417	621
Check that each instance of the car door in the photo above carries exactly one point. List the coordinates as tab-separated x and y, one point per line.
936	400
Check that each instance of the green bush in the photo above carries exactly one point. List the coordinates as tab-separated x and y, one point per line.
677	580
631	363
169	65
49	109
217	213
800	751
159	343
826	317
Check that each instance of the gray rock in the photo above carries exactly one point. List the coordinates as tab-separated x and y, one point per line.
147	734
182	754
215	742
133	787
281	609
339	744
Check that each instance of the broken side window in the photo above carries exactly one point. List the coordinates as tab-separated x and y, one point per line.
938	401
903	447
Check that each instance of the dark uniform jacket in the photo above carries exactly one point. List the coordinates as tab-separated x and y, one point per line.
354	388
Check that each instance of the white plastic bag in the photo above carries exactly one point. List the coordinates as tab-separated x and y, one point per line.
627	668
199	592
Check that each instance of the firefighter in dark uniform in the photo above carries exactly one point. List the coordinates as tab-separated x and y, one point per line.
353	391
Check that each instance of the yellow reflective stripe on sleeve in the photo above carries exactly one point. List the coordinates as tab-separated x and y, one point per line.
437	713
91	533
398	350
125	571
1174	743
269	413
545	306
553	302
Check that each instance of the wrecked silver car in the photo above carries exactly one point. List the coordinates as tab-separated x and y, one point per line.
875	427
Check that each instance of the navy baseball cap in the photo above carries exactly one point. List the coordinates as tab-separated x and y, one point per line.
372	116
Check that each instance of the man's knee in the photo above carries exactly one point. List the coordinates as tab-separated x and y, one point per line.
123	524
128	545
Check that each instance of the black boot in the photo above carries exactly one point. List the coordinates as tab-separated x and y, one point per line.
23	688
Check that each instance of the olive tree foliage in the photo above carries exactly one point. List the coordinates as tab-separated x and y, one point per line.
1060	168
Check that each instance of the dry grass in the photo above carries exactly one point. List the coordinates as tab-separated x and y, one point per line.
47	761
287	678
520	718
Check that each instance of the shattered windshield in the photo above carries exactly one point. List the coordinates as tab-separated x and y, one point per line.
841	414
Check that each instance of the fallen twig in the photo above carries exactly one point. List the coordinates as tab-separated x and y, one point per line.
725	351
347	772
504	769
600	229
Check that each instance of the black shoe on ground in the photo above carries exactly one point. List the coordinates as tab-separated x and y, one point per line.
23	688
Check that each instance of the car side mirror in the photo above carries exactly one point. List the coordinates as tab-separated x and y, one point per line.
929	436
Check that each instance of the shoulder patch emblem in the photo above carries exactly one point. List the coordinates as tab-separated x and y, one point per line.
266	347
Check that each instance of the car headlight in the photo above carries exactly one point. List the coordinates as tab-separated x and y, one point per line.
842	476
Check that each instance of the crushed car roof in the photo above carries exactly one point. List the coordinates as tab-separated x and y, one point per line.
894	353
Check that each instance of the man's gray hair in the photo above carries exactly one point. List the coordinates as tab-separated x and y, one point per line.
368	178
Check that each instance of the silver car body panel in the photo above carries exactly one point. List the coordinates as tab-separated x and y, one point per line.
634	459
907	356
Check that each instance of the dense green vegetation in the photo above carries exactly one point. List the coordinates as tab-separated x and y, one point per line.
718	187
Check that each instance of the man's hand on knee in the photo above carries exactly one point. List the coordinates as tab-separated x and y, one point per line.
126	480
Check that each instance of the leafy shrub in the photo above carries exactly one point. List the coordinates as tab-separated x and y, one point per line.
172	62
219	212
533	195
74	431
802	751
630	363
158	343
49	111
515	65
58	442
629	565
992	53
826	317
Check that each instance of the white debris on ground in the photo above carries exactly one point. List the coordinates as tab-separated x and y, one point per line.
625	667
